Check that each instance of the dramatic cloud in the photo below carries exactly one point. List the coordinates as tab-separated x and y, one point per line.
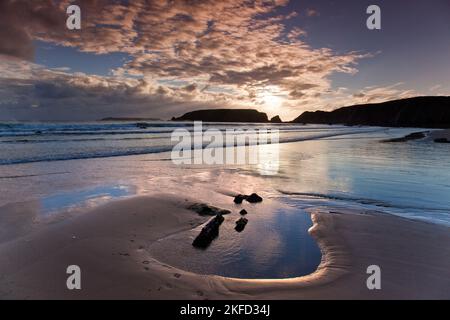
342	97
22	21
374	94
30	91
183	55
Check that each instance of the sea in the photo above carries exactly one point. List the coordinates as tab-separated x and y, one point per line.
62	167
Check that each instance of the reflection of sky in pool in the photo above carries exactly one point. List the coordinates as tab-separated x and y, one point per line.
273	245
279	247
67	200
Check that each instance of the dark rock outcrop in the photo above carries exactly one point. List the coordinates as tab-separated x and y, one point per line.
207	210
243	212
412	136
253	198
209	232
441	140
224	115
239	198
240	224
276	119
420	112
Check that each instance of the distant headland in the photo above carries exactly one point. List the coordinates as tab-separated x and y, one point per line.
129	119
420	112
227	115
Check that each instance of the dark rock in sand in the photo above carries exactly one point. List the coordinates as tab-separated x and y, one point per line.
240	224
239	198
412	136
206	210
253	198
209	232
441	140
243	212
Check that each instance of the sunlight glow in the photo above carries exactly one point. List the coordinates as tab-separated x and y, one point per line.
272	101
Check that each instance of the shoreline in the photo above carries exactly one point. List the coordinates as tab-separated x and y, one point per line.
109	242
426	135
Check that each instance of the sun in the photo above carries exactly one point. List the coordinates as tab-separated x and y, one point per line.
272	101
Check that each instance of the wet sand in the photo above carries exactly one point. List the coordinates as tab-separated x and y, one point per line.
109	244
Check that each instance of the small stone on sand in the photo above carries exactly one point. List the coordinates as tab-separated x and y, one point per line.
207	210
209	232
253	198
240	224
239	198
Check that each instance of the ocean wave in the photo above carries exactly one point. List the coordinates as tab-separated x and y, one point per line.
27	130
125	150
87	155
12	141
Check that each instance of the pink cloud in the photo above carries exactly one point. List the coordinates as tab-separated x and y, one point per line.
233	47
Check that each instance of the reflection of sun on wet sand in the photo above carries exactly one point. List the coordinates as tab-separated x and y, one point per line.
110	243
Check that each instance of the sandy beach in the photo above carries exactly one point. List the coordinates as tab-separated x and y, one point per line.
224	150
110	243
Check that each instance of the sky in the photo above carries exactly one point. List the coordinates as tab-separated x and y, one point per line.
163	58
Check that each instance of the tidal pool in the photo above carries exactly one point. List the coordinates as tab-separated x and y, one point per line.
273	245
